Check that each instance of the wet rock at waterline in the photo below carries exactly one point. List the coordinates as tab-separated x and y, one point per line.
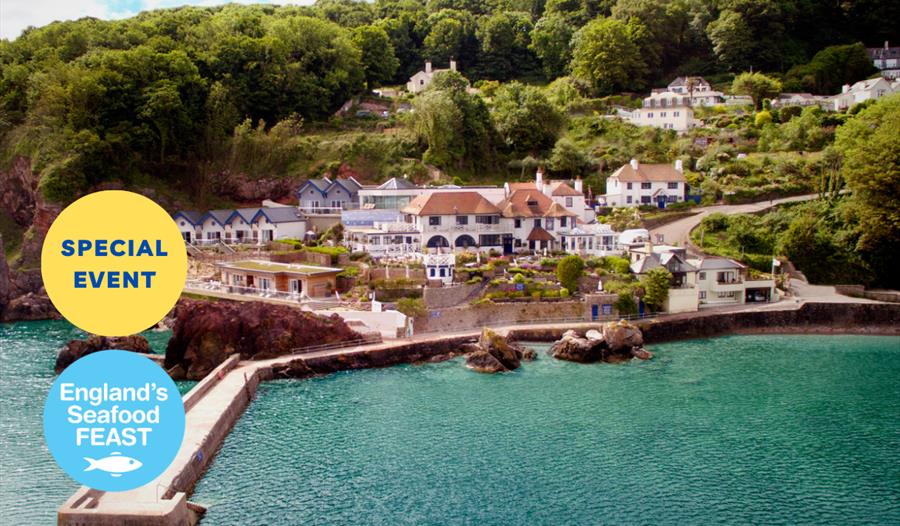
614	342
495	353
75	349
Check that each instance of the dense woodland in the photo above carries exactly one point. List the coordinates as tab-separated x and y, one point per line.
170	99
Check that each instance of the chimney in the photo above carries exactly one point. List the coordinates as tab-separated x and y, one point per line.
845	88
452	65
634	164
579	185
546	189
427	66
539	179
886	46
679	166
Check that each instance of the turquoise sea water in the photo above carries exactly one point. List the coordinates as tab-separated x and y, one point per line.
733	430
31	485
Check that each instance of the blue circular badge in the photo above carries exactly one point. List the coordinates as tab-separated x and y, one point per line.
114	420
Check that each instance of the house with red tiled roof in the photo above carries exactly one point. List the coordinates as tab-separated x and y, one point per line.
636	184
537	220
463	220
570	196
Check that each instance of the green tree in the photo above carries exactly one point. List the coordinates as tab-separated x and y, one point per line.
757	86
870	140
831	68
656	287
435	122
378	59
606	54
551	41
412	307
567	158
517	111
732	40
569	270
504	39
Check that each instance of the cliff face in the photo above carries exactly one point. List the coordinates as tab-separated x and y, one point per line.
24	297
207	332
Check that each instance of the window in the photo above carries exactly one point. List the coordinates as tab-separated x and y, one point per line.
676	113
650	115
646	186
487	220
434	220
550	224
537	223
431	272
569	202
645	199
628	199
562	222
518	223
672	186
671	199
489	240
702	294
462	220
629	186
662	114
701	276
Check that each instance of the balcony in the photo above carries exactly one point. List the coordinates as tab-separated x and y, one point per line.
732	285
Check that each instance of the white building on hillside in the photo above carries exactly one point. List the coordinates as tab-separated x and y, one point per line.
422	79
459	221
666	110
723	281
636	184
698	90
384	239
886	59
861	92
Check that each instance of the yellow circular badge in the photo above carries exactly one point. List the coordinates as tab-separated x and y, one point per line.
114	263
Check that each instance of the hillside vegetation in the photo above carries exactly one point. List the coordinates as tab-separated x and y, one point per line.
176	100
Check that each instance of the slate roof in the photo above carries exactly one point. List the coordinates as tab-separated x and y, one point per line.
717	264
450	203
285	214
191	215
220	216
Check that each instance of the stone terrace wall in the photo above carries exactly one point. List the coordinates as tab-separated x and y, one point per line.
444	297
469	316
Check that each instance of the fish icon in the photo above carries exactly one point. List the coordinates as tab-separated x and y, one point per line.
115	464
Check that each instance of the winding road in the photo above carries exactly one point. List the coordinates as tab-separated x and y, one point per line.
678	232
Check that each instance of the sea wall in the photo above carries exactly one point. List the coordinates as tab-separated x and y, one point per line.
450	296
822	318
859	291
468	316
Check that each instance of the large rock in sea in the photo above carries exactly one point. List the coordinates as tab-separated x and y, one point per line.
495	353
574	348
614	342
207	332
30	306
622	335
75	349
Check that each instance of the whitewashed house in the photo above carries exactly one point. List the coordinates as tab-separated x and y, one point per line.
238	229
536	219
801	99
188	222
459	221
270	224
326	196
666	110
422	79
723	281
698	90
594	239
860	92
683	291
636	184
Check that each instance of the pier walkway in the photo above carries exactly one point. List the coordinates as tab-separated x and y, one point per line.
217	402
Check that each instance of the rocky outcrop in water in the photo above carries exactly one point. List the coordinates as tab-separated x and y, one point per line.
495	353
613	342
207	332
75	349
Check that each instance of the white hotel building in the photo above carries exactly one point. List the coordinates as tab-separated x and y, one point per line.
636	184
